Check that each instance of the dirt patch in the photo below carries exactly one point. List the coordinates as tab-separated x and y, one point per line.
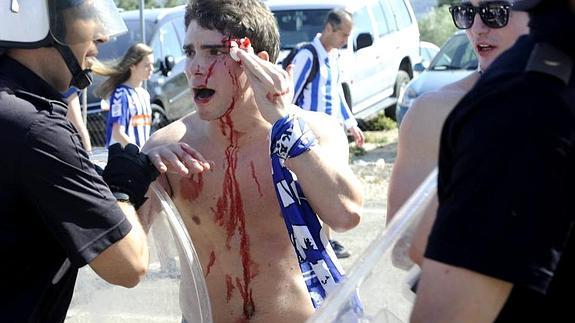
374	167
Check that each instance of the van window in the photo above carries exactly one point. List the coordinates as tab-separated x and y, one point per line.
157	49
170	42
361	24
180	28
296	26
389	17
401	13
380	21
117	46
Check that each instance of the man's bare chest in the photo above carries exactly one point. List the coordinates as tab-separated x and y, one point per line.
236	194
232	176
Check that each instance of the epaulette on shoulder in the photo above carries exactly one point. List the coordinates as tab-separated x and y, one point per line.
550	60
5	87
39	102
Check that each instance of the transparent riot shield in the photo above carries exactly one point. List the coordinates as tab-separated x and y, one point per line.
383	289
174	287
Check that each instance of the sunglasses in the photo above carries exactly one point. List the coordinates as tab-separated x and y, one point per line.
494	14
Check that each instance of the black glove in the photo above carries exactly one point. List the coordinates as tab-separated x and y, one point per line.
129	172
98	169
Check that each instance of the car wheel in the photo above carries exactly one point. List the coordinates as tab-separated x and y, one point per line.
159	119
400	83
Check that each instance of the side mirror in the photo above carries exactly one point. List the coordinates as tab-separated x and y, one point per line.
363	40
158	66
419	67
167	65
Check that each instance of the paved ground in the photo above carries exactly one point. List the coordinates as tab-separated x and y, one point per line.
386	287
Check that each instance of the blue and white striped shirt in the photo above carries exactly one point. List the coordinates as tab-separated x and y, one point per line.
324	93
131	109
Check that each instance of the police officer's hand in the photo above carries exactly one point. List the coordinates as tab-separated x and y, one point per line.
129	172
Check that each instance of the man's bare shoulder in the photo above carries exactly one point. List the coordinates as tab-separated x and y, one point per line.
186	127
443	99
463	85
433	107
430	109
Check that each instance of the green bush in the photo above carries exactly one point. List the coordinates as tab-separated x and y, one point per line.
437	26
379	123
356	151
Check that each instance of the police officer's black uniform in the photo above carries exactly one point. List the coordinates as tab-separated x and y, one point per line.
53	204
507	174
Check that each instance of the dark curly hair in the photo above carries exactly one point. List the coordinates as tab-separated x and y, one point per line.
237	19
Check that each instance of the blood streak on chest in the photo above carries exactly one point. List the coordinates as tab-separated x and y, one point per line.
253	169
229	211
211	263
229	287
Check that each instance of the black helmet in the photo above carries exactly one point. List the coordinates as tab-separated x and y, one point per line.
527	5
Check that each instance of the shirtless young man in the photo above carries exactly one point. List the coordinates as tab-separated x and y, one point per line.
418	144
229	205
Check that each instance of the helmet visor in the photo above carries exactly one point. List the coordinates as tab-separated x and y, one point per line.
77	21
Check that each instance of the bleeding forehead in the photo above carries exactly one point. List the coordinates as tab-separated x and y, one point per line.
197	35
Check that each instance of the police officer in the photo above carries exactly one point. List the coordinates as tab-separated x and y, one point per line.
501	248
56	212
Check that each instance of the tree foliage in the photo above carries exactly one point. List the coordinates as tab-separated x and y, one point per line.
437	26
135	4
173	3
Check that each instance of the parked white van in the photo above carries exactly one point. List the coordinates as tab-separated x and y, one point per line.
378	60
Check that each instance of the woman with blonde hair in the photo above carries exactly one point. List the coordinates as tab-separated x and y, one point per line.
130	115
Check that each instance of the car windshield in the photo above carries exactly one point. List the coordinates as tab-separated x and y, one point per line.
456	54
118	46
296	26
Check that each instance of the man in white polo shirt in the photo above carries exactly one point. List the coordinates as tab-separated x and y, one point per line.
324	92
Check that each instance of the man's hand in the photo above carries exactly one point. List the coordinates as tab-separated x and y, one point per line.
178	158
272	85
130	172
358	136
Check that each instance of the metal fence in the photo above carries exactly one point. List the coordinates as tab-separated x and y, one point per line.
96	124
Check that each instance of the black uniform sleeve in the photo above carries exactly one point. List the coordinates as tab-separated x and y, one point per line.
505	176
76	204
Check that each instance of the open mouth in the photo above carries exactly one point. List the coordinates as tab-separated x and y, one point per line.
483	48
203	94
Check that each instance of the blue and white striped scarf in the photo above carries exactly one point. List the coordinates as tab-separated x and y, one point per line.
291	137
